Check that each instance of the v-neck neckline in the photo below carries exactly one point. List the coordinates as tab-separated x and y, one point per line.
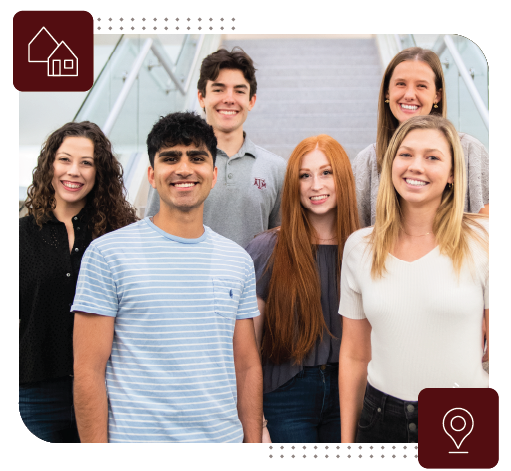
419	259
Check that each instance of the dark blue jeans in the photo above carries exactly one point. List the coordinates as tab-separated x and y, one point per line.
306	408
387	419
46	408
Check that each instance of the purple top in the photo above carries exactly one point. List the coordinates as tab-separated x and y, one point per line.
325	351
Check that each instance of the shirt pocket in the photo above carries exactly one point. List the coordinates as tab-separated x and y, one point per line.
227	292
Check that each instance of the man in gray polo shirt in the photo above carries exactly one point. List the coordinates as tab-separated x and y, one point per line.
246	198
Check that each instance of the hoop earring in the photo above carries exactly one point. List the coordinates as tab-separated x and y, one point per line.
449	185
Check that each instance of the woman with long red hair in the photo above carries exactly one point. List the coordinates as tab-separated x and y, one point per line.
298	271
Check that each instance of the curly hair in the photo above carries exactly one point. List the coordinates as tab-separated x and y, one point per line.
181	128
109	208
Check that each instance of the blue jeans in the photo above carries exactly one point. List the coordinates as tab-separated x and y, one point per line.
387	419
306	408
46	408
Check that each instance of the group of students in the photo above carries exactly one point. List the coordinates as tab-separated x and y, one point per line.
181	336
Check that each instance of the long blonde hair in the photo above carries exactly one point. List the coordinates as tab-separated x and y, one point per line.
294	318
452	227
387	122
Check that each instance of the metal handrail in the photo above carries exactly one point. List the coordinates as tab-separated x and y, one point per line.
447	43
198	48
130	80
469	82
167	65
158	51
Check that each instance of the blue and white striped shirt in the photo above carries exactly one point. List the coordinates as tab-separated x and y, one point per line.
170	377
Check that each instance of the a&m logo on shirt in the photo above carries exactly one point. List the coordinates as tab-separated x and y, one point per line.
260	183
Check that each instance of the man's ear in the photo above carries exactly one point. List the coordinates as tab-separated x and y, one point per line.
215	176
251	103
201	99
150	176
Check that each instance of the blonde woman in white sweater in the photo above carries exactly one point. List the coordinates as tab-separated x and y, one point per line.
414	288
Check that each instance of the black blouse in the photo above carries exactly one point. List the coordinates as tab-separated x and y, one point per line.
324	351
48	276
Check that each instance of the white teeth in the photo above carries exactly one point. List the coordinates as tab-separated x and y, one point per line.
410	107
72	185
317	198
184	185
228	112
415	182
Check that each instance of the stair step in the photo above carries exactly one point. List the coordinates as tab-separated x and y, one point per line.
306	108
273	95
285	151
313	86
286	121
315	71
324	81
292	136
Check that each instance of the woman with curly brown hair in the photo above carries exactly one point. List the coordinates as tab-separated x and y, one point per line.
77	194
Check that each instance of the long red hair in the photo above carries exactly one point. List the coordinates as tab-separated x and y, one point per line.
293	315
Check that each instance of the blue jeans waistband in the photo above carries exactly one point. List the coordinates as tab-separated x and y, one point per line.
391	404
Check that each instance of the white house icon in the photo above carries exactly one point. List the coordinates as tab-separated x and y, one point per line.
61	60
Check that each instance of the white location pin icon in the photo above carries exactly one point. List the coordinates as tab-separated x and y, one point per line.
458	423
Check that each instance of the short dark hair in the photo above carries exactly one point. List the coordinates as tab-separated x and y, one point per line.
184	129
223	59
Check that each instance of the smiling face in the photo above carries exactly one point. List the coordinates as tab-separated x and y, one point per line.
412	90
74	172
317	184
183	176
227	101
422	168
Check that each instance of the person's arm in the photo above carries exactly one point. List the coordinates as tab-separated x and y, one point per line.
354	356
362	168
275	216
249	380
258	326
485	209
486	323
259	322
92	344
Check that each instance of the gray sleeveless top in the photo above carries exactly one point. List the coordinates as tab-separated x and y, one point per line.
325	351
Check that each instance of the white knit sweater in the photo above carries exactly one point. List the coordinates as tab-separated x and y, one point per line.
426	323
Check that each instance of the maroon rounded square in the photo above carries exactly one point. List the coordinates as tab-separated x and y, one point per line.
462	428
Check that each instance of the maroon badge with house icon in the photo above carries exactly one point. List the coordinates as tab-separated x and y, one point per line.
53	51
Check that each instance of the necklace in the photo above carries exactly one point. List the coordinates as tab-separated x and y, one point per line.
328	239
411	235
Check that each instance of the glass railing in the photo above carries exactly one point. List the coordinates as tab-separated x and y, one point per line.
152	94
143	80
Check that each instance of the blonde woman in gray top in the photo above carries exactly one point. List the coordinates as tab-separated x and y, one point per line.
414	288
413	85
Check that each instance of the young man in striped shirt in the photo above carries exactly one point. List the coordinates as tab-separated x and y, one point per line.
164	312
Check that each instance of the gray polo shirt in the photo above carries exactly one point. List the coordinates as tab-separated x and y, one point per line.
246	198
